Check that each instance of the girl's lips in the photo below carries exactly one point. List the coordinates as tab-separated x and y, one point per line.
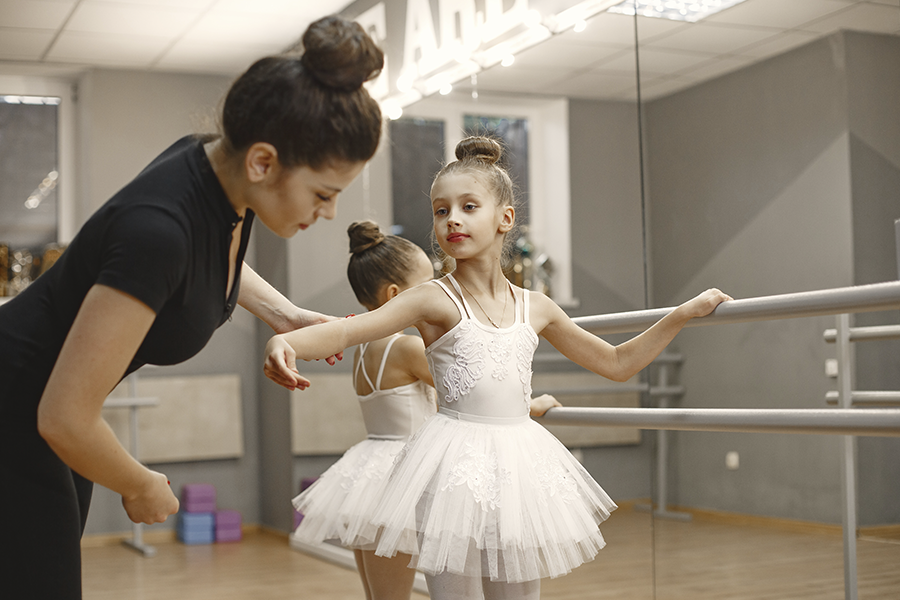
456	237
303	226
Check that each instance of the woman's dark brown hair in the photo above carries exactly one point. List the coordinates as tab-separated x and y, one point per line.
313	108
377	260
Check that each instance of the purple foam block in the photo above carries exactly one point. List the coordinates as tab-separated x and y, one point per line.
198	497
228	518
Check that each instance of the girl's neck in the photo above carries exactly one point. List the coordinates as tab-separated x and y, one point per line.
484	277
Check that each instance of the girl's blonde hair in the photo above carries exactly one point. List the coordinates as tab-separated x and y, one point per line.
481	155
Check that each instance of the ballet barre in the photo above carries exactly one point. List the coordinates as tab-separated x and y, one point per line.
870	422
132	403
862	298
846	421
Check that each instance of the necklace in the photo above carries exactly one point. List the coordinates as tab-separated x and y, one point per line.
505	301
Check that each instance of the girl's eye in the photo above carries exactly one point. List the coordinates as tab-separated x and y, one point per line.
441	211
324	198
470	206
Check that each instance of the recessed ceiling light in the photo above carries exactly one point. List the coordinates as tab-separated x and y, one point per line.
676	10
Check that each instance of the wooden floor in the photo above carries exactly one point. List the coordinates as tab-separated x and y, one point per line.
706	558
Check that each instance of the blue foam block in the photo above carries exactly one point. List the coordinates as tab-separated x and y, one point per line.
196	528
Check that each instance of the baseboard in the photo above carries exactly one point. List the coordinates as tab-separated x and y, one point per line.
157	536
881	532
885	532
745	520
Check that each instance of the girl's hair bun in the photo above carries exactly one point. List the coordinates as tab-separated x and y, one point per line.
479	148
364	235
339	54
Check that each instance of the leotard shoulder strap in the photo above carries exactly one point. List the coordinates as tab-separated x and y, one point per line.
384	356
463	313
361	367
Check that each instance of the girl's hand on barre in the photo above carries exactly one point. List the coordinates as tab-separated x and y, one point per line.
542	404
705	303
281	365
153	503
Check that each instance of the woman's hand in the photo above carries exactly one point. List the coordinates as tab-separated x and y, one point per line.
281	365
542	404
704	303
301	318
154	503
279	313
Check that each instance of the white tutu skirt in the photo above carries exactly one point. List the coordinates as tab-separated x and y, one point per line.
491	497
341	503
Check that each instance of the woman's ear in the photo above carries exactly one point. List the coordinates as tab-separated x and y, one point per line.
508	219
260	162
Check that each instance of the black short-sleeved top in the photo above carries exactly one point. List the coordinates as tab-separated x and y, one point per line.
164	239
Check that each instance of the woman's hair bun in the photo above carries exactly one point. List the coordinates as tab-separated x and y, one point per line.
364	235
339	54
479	148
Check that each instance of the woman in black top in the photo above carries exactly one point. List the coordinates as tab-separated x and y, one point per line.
148	279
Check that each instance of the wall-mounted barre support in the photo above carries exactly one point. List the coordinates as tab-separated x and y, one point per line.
132	403
866	398
867	334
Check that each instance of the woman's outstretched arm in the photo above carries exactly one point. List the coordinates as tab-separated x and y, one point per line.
260	298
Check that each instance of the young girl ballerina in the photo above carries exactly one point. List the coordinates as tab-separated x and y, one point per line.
396	396
342	502
491	499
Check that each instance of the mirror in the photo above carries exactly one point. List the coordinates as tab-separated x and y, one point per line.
574	147
752	149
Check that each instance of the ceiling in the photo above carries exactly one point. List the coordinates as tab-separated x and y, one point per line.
225	36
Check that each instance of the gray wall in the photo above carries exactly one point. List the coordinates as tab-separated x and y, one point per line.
873	84
607	255
773	179
125	119
753	181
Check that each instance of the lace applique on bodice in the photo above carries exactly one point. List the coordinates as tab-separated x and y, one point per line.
461	358
460	377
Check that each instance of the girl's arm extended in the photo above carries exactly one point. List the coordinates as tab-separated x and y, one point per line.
621	362
320	341
106	333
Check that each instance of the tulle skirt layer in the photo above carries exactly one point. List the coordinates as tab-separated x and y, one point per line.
492	497
341	503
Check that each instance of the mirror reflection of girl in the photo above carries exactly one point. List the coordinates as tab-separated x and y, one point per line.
150	277
494	501
396	396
